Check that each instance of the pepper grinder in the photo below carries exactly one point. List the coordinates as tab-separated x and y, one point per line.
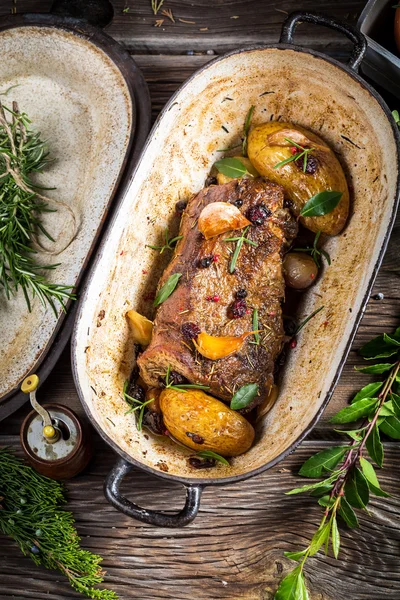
55	442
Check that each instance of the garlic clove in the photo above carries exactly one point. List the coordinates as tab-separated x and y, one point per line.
220	217
214	347
142	328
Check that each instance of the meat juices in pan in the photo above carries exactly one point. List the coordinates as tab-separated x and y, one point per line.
209	298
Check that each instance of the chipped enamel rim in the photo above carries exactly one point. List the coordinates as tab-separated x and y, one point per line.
232	479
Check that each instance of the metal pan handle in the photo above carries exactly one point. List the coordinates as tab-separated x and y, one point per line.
152	517
359	41
97	12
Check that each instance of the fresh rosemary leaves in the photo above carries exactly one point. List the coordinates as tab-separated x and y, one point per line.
349	477
181	387
301	154
169	242
137	406
22	152
315	252
239	243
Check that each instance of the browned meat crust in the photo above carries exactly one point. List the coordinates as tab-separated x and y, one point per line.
258	271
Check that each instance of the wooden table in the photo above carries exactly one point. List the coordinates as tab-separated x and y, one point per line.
235	547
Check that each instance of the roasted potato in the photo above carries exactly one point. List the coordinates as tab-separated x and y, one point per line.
201	422
221	178
268	146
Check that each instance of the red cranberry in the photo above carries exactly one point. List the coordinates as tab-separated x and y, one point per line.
240	294
190	330
311	164
295	150
237	309
257	214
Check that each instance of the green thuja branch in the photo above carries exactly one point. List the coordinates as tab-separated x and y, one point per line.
31	515
348	477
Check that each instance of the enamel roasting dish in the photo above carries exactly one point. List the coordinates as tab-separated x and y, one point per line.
284	82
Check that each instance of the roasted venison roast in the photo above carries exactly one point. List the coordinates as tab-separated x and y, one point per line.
209	298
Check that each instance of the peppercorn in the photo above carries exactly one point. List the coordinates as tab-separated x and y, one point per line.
238	202
257	214
237	309
216	298
240	294
293	343
215	258
180	206
205	262
190	330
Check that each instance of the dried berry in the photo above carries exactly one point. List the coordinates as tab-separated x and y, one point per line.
197	439
288	203
205	262
211	181
237	309
154	421
176	378
215	258
311	164
257	214
180	206
216	298
289	326
240	294
293	343
201	463
136	391
238	202
190	330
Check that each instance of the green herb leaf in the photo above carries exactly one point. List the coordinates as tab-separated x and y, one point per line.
231	167
292	587
356	490
396	404
295	555
368	391
255	327
321	491
391	426
325	501
319	538
323	461
211	454
167	289
239	243
313	486
359	409
375	369
374	446
335	538
347	513
307	319
244	396
395	113
378	348
321	204
372	479
390	340
355	434
386	410
246	128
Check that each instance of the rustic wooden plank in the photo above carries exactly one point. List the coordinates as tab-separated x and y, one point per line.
218	26
235	547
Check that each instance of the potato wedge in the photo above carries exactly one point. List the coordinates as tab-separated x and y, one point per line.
268	146
202	422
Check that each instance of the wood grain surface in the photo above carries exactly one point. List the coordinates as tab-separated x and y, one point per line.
235	547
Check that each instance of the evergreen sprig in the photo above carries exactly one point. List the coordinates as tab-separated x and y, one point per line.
30	513
348	477
22	152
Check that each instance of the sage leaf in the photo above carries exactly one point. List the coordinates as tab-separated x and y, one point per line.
322	461
335	538
378	348
313	486
374	446
375	369
391	426
211	454
372	479
357	490
231	167
347	513
396	404
244	396
355	411
292	587
368	391
321	204
167	289
319	538
391	340
295	555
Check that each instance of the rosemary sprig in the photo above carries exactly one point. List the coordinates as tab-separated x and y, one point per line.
135	405
351	477
304	152
315	252
30	513
22	152
181	387
169	242
246	128
239	243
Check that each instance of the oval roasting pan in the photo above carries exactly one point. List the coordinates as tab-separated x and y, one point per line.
282	82
88	98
